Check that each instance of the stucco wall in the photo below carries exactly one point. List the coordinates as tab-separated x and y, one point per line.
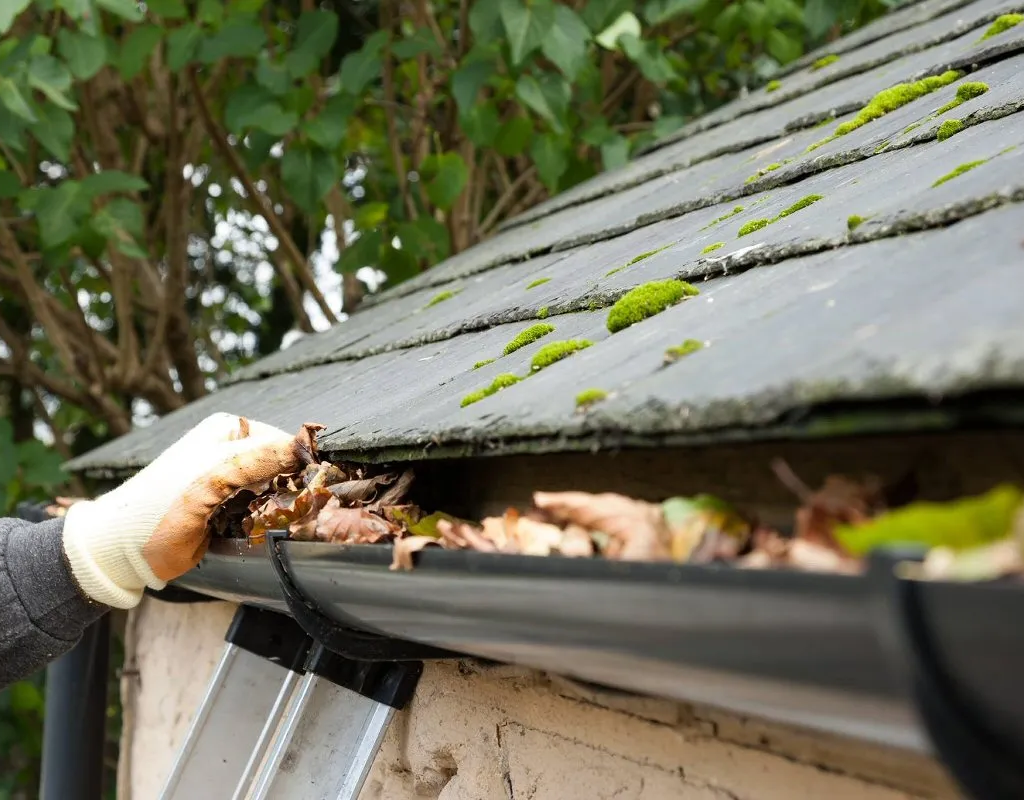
477	732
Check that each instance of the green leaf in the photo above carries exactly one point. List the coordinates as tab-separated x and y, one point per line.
565	42
615	152
60	211
426	237
398	265
819	16
210	12
9	11
328	128
481	124
182	44
54	130
363	66
421	41
124	214
467	81
252	106
363	252
273	77
649	57
8	452
308	174
370	215
658	11
551	159
513	136
127	9
168	9
548	97
626	24
82	12
485	20
782	47
446	176
314	37
40	466
959	524
257	147
26	698
52	78
525	25
599	14
10	187
238	38
85	55
137	48
112	180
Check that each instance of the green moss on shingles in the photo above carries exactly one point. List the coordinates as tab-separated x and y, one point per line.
645	301
682	350
854	221
753	225
536	283
951	127
556	351
1001	24
966	91
712	248
910	128
483	363
724	217
440	297
543	313
590	396
799	205
773	86
824	61
888	100
503	381
528	336
956	173
637	259
762	172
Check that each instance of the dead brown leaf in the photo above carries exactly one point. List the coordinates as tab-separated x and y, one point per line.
306	441
636	530
338	524
461	536
576	542
401	554
360	490
395	493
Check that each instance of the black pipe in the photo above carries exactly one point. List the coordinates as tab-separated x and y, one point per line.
74	726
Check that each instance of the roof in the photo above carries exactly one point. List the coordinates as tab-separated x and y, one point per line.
811	311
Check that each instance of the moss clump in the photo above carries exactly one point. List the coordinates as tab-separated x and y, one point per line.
966	91
536	283
1001	24
762	172
959	171
888	100
800	204
528	336
682	350
951	127
543	313
638	258
854	221
590	396
754	225
440	297
910	128
712	248
773	86
824	61
483	363
556	351
645	301
503	381
724	217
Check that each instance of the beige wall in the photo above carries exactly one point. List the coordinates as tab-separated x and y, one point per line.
475	732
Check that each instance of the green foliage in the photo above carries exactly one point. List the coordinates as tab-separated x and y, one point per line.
645	301
682	350
958	525
960	170
758	224
753	225
588	397
483	363
536	283
28	469
854	221
503	381
824	61
724	217
1001	24
951	127
966	91
773	86
712	247
528	336
556	351
440	297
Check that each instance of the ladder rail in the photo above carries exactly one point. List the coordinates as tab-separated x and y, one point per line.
259	752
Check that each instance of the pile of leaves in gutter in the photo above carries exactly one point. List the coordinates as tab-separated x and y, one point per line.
834	527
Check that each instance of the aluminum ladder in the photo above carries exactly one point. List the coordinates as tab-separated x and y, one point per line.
284	718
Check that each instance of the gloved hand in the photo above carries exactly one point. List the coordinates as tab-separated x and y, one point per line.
152	528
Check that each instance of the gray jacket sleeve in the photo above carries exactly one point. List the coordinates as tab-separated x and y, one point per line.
42	611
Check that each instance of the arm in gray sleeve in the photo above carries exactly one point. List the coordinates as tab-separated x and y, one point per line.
42	611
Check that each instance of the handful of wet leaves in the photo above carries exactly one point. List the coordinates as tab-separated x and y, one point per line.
834	526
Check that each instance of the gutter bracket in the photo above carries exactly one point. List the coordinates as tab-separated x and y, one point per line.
351	643
981	762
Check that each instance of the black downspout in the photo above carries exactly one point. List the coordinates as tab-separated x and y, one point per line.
74	726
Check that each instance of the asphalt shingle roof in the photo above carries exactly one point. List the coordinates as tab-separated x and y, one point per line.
921	300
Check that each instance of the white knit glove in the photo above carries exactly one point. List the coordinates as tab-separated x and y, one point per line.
152	528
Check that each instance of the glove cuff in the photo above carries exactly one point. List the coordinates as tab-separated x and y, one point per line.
105	555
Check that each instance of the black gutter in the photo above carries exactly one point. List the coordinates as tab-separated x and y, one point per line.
933	667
